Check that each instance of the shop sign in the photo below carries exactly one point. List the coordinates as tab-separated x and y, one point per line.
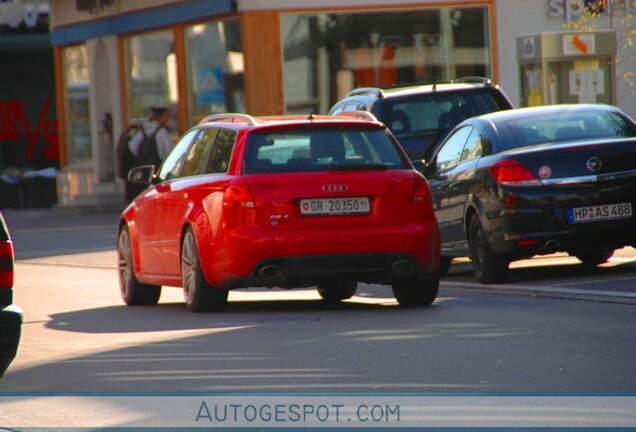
529	47
210	86
579	44
13	13
571	9
94	6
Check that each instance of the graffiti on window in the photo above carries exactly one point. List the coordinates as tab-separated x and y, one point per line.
16	125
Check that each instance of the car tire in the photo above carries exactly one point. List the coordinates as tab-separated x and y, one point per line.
593	258
444	265
488	266
199	295
132	291
416	292
333	292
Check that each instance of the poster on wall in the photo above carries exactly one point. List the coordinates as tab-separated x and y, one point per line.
587	84
534	89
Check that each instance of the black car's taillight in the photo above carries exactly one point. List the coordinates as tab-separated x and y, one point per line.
6	264
509	172
421	192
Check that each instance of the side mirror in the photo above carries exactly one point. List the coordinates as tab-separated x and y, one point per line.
142	174
420	165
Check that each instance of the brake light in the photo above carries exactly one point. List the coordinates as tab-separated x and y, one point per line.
6	264
238	196
238	206
512	173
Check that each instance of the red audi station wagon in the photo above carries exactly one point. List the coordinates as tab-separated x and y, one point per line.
288	202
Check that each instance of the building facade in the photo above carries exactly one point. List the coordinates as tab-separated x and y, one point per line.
29	156
115	59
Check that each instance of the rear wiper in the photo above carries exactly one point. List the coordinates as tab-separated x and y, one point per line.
356	167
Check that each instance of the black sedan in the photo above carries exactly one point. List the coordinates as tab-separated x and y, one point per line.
513	184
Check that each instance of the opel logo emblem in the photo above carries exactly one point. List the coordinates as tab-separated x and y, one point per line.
333	188
594	164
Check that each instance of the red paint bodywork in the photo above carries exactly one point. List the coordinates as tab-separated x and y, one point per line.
233	239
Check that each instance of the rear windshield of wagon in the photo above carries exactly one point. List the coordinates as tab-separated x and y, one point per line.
303	150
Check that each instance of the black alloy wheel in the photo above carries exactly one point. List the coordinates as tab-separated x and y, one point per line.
444	265
132	291
333	292
488	266
416	292
199	295
594	257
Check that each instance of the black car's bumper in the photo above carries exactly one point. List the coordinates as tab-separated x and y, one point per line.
539	232
10	330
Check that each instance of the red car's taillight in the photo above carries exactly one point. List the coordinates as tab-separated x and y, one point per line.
238	196
238	205
512	173
6	264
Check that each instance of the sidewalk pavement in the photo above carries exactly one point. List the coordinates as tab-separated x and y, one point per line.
46	236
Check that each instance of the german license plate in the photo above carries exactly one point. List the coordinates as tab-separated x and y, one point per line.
334	206
600	213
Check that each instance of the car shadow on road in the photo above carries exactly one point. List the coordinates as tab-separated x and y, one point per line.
253	346
175	316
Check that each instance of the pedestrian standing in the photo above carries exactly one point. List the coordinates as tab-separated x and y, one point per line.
150	145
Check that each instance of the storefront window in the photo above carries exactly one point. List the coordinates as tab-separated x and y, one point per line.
327	55
76	100
151	75
215	68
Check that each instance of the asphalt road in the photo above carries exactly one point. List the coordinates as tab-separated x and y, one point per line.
79	337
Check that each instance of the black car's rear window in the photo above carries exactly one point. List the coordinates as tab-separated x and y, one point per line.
434	113
300	150
568	126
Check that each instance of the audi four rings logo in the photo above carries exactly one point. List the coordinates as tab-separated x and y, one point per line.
594	164
331	188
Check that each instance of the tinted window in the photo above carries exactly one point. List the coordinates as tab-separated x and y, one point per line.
473	147
432	113
171	167
196	160
568	126
321	150
451	151
221	153
4	233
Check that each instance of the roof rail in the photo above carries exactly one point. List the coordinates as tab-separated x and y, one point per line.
358	114
473	79
366	90
230	117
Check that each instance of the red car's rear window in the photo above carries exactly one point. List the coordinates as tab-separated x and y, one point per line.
301	150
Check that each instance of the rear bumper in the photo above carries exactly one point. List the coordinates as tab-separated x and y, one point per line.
290	258
540	232
311	270
10	330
